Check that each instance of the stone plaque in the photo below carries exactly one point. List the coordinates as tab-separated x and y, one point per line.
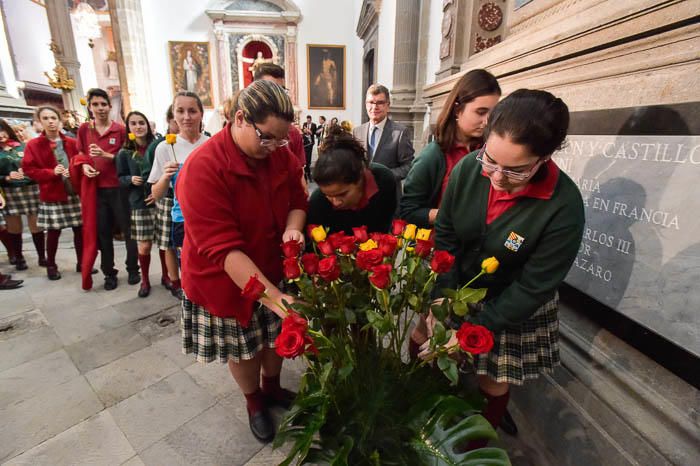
640	252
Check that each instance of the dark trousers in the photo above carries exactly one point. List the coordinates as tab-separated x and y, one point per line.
177	236
112	210
308	149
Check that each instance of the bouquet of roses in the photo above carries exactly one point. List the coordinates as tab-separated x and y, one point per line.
358	297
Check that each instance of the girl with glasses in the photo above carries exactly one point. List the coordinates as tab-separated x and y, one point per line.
511	201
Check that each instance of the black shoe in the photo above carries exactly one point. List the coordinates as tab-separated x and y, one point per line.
508	425
261	426
285	401
8	284
111	282
145	290
53	273
79	269
166	283
42	262
134	278
21	264
177	293
12	259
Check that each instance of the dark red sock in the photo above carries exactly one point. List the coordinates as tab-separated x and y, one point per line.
38	239
16	239
78	243
145	263
176	284
52	247
271	387
6	239
163	266
255	401
494	411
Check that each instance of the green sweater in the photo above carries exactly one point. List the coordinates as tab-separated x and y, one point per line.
128	166
421	190
528	277
377	215
11	161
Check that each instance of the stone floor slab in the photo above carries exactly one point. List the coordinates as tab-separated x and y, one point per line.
106	347
15	302
139	308
134	461
96	441
28	346
267	456
213	377
162	325
30	422
35	377
214	437
150	415
78	323
172	348
129	375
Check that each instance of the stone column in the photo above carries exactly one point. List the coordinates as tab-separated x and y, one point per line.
455	33
290	67
222	65
129	39
64	50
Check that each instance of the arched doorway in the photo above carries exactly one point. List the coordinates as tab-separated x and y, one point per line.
254	54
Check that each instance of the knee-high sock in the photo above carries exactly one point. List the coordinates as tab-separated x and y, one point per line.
38	239
16	239
145	262
52	247
494	411
163	265
6	240
78	243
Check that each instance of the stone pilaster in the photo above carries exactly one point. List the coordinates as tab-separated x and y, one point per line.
290	65
455	32
132	43
222	63
62	36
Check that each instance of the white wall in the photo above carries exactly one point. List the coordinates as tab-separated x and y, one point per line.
29	33
434	38
385	43
333	23
8	72
170	20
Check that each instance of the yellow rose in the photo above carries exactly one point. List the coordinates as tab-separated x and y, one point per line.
132	137
489	265
83	102
318	234
423	234
410	249
170	138
368	245
410	231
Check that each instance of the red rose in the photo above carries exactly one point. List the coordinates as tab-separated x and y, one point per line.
474	339
381	276
326	248
442	262
310	263
294	321
360	234
423	248
368	259
387	244
254	289
336	239
329	269
290	343
291	269
291	248
347	245
310	227
397	227
376	236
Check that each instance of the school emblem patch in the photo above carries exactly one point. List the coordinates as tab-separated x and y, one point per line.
112	141
514	241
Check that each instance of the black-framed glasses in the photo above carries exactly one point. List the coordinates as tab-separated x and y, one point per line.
519	175
268	142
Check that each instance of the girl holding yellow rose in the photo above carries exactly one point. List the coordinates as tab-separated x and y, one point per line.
130	170
351	192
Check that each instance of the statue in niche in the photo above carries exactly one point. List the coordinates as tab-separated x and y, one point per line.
256	62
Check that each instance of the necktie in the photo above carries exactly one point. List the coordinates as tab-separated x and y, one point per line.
372	142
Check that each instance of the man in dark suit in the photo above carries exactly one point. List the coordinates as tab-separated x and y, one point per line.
387	142
308	130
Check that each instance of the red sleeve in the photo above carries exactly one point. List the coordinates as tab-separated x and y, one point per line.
206	201
296	145
81	140
32	166
298	198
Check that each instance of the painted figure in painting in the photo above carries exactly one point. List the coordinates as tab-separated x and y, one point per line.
190	67
327	80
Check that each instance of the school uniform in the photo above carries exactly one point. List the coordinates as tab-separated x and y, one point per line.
21	196
131	163
535	234
230	205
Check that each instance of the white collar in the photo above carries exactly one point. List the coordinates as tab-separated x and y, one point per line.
379	125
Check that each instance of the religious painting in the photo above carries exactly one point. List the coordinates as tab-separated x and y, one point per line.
326	76
190	69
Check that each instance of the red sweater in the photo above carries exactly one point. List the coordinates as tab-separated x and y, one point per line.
111	141
296	145
229	205
39	162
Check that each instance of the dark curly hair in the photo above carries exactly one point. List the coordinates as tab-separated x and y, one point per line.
341	159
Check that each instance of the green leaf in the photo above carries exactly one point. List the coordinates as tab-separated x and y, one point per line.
350	316
440	311
341	458
413	300
449	293
472	295
439	333
345	371
460	308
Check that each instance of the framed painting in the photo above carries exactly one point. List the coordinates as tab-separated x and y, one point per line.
191	70
326	76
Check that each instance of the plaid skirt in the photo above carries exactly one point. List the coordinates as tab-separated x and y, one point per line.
142	224
163	224
59	215
524	353
2	219
21	200
222	338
